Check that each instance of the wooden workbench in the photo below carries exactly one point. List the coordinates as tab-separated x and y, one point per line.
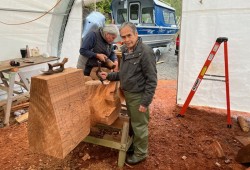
8	83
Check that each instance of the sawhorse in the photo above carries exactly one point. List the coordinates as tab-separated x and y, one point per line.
122	123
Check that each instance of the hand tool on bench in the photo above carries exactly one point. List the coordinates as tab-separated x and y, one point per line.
57	70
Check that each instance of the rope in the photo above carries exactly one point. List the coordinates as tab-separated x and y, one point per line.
32	19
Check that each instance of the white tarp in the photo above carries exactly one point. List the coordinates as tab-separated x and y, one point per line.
14	37
72	36
202	23
43	33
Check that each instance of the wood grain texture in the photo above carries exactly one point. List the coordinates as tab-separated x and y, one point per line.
59	116
105	104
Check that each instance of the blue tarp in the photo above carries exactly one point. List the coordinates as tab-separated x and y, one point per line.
159	19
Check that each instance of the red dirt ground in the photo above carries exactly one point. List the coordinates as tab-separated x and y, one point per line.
171	140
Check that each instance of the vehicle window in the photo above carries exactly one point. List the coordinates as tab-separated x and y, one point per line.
169	17
134	11
172	18
121	16
147	15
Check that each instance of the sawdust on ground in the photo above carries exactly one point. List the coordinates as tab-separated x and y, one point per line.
174	143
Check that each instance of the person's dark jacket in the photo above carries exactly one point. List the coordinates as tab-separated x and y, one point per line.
92	44
89	46
138	72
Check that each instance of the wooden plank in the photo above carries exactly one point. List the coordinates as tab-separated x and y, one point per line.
124	139
22	118
59	116
20	106
104	142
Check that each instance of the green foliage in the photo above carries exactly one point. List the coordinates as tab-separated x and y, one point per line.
104	8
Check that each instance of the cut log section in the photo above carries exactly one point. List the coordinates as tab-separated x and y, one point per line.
59	116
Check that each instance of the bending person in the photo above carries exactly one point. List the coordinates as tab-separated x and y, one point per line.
97	45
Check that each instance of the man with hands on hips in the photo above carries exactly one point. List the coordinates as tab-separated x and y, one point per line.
138	79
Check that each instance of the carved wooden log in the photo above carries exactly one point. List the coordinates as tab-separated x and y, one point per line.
59	116
105	103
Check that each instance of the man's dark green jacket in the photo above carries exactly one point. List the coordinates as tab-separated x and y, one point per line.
138	72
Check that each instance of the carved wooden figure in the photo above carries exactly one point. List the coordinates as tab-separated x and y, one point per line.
105	104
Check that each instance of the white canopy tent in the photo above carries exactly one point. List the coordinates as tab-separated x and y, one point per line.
57	33
202	23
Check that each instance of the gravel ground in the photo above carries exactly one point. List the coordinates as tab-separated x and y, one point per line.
167	65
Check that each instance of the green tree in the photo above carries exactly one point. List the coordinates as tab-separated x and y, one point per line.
104	8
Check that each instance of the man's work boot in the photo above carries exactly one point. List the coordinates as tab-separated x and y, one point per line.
131	150
133	159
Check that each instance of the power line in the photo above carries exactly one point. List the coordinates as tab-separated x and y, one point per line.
32	19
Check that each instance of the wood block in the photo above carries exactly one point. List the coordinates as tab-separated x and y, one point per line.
22	118
59	117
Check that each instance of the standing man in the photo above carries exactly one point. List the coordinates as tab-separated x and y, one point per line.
97	45
138	77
